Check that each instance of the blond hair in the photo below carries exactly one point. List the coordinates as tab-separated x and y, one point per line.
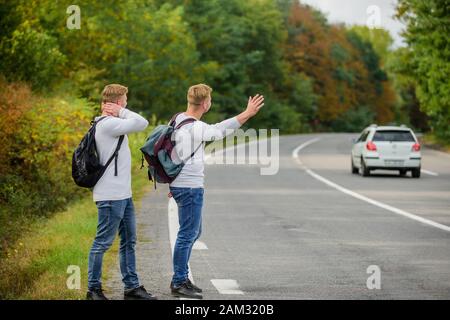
198	93
113	92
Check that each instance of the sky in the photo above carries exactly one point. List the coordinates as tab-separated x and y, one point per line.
364	12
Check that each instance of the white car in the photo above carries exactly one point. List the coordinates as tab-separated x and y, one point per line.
386	148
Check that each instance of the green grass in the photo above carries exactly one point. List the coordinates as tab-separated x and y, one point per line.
35	266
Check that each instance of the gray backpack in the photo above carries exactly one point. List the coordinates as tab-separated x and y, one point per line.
157	152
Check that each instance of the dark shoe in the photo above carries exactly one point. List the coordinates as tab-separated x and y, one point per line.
96	294
185	291
138	293
193	286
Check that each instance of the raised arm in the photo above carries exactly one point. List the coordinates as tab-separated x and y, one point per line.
210	132
125	121
220	130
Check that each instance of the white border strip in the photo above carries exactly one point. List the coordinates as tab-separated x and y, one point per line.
295	155
431	173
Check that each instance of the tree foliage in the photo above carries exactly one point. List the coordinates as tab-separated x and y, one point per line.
344	67
312	71
428	58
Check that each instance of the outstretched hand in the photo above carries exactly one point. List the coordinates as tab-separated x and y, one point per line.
111	109
254	104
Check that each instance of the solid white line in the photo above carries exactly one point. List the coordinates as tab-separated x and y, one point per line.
431	173
226	286
173	222
295	155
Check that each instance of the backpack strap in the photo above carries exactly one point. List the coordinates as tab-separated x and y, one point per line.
192	154
142	161
185	121
115	155
182	123
93	122
172	120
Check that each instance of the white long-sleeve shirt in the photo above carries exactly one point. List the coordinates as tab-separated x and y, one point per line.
187	139
107	134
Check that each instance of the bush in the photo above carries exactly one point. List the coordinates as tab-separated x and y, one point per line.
15	100
32	56
39	135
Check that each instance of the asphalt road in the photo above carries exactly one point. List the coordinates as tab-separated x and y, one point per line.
297	235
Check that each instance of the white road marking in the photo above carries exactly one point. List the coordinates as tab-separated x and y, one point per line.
199	245
431	173
226	286
295	155
173	222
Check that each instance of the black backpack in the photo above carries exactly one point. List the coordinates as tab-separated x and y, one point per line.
86	167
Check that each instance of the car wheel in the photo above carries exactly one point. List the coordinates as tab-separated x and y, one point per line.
402	173
416	173
365	172
354	169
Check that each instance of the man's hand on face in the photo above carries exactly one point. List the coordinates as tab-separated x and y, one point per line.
254	104
111	109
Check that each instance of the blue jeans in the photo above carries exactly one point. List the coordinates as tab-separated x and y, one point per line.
113	216
190	203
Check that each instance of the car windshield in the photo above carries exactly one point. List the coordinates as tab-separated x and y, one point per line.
393	135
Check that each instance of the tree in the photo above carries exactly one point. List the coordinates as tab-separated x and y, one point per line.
405	84
380	39
150	49
427	33
28	53
245	39
344	68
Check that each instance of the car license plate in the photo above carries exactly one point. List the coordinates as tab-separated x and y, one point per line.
394	163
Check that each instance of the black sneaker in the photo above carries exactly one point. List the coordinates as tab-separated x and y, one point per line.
138	293
185	291
193	286
95	294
